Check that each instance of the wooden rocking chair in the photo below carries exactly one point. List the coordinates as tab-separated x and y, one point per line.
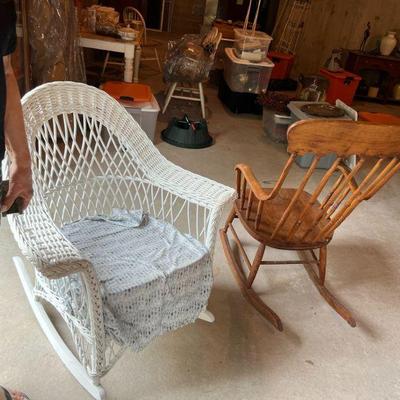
296	219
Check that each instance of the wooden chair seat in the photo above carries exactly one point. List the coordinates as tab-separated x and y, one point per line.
271	214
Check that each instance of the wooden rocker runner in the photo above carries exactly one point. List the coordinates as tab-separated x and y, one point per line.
297	219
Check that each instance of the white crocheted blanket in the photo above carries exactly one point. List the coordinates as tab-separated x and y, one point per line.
154	278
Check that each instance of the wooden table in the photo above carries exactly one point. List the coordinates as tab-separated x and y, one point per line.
130	48
357	62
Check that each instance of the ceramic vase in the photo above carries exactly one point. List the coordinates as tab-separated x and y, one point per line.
396	91
388	43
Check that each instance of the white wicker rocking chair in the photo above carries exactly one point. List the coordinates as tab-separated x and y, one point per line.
89	156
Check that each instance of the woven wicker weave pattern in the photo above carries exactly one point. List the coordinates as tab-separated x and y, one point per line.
90	156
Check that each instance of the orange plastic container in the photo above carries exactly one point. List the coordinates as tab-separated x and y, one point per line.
379	118
128	92
342	85
283	64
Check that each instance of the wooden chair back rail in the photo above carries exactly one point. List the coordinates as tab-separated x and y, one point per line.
380	182
345	170
314	198
344	138
299	191
357	197
335	197
283	175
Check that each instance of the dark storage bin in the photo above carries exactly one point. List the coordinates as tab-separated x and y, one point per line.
239	103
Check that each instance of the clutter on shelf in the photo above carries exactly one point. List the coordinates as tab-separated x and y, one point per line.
106	21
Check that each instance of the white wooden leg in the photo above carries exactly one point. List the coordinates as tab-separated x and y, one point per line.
138	55
128	70
169	96
207	316
69	360
166	90
158	60
202	101
105	63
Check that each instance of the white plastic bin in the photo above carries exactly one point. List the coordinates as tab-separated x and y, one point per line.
145	114
245	76
276	125
297	115
251	46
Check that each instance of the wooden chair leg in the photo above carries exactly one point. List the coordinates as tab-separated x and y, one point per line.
249	294
158	60
256	265
322	264
231	217
105	64
202	100
169	95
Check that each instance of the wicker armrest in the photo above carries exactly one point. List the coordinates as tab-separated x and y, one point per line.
42	243
194	188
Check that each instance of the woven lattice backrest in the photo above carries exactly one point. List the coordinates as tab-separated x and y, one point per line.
322	199
87	151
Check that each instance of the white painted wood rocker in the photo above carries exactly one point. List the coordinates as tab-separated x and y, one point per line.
89	157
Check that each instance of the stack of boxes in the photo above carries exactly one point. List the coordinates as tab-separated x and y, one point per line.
139	101
247	71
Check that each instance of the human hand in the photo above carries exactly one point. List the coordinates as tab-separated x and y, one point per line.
20	186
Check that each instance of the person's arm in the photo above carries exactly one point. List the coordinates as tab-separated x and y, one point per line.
16	143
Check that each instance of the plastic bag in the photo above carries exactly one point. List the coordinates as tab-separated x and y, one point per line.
53	37
188	60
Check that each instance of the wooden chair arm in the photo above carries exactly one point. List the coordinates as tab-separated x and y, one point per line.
254	185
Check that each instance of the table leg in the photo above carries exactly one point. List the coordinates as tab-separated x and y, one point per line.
128	70
138	54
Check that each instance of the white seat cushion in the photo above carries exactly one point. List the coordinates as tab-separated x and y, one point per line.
154	278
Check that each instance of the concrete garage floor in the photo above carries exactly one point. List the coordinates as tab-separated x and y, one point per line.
240	356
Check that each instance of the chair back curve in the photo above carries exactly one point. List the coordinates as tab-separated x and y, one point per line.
136	15
306	214
88	153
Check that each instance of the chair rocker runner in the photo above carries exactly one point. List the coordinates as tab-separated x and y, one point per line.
305	221
90	157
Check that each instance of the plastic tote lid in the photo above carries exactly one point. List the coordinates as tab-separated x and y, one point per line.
249	34
128	92
266	63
